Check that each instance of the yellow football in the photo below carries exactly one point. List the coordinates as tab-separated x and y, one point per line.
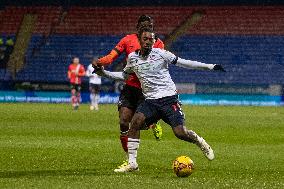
183	166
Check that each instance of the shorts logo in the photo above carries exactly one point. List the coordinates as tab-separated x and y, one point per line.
175	108
178	105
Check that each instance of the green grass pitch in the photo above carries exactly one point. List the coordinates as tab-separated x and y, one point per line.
52	146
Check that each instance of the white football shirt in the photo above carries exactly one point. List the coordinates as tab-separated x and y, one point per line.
153	72
93	78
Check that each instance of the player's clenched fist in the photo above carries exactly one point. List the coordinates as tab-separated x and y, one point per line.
97	69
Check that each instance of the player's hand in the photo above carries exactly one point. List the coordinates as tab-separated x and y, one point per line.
97	69
95	65
218	67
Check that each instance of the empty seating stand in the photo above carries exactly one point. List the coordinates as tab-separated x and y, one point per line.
248	41
11	18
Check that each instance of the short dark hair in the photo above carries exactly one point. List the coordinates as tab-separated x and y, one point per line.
144	18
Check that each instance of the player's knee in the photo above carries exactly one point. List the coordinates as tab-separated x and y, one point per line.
138	121
125	116
180	132
124	124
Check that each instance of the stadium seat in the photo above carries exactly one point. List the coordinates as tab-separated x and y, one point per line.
248	41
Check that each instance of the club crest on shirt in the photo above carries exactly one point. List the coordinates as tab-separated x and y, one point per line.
154	57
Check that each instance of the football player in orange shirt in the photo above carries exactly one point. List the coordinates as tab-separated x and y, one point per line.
131	95
75	72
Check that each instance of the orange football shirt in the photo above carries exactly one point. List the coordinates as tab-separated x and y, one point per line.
129	44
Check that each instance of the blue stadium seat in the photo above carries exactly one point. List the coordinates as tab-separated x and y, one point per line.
247	59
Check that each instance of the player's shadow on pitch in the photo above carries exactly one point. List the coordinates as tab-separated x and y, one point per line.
34	173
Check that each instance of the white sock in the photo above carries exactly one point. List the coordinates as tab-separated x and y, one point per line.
194	137
132	145
92	97
96	101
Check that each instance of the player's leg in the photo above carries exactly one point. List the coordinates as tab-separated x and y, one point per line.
133	143
126	112
136	124
73	96
125	116
173	115
145	114
78	95
97	96
92	96
183	133
156	127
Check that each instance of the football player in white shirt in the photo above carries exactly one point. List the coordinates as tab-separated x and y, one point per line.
151	65
95	82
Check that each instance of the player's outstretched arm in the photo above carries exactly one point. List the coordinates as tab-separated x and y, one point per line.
99	70
115	75
198	65
106	60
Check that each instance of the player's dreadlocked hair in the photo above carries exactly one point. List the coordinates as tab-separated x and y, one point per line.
144	18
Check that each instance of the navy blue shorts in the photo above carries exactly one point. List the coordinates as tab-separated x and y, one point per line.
168	109
130	97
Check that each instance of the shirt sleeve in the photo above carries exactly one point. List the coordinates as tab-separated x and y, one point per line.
121	46
115	75
114	53
169	57
194	64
